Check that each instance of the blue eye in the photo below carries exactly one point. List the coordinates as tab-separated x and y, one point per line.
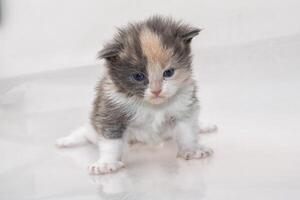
138	76
168	73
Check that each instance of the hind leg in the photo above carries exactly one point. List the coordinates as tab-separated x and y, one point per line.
76	138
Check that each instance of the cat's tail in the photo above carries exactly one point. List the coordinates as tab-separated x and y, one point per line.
83	135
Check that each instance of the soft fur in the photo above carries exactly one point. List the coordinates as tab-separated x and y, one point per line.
152	110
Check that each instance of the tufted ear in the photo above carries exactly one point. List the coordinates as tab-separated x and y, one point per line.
110	52
189	34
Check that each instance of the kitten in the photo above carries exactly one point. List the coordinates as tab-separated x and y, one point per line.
147	94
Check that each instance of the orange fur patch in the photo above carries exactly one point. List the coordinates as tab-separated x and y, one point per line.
153	48
157	56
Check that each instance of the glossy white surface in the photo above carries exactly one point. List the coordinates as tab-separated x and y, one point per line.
251	92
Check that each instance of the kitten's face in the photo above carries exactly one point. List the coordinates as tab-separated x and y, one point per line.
151	60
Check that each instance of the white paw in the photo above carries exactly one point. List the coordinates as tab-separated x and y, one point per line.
208	128
66	142
197	153
105	167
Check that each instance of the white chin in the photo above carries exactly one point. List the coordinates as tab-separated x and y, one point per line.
157	101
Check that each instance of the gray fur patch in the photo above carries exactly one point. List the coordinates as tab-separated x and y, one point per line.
108	118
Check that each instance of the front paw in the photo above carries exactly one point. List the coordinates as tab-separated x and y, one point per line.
196	153
101	167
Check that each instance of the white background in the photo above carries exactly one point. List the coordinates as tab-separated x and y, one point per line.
246	62
43	35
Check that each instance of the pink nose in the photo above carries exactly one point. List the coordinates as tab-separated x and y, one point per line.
156	93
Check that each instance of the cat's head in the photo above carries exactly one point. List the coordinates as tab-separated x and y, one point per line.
150	60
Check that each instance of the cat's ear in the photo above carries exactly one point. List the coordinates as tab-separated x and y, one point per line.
189	33
110	52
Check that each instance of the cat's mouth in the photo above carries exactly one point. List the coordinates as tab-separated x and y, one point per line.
157	100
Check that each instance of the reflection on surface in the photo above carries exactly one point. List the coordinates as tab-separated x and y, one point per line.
149	173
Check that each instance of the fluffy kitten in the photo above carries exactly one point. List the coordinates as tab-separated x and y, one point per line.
148	94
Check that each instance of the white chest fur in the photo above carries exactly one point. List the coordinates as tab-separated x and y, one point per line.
153	124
